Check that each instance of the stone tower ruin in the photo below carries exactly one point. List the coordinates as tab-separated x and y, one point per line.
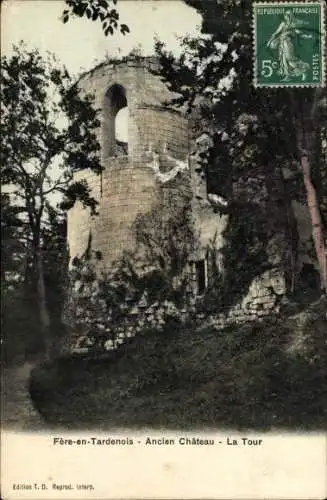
157	165
135	170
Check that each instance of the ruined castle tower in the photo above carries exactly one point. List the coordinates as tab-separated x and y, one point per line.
133	102
151	161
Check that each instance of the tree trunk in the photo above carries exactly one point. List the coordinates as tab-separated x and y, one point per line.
42	303
305	133
317	227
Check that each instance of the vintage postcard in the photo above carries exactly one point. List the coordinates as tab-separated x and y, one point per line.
164	243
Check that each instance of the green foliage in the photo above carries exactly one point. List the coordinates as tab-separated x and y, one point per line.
96	10
12	248
242	262
166	237
49	132
214	76
44	121
99	302
247	224
55	262
244	127
21	331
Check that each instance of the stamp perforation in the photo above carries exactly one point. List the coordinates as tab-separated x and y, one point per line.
322	34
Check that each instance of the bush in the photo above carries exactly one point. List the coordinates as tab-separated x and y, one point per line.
21	335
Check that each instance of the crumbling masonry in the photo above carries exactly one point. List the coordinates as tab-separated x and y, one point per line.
159	161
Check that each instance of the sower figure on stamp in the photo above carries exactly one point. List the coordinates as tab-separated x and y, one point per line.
283	39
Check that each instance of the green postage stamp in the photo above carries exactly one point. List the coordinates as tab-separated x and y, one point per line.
289	44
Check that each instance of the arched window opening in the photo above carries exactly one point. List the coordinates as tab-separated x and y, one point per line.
115	127
121	131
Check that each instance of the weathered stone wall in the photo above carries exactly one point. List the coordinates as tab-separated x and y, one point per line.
127	190
150	118
262	300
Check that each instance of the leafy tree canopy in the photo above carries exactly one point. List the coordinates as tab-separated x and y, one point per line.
240	127
49	132
103	11
245	126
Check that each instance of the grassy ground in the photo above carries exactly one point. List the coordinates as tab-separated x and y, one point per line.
260	376
18	412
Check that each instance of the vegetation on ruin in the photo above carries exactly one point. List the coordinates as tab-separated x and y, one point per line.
101	302
248	128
